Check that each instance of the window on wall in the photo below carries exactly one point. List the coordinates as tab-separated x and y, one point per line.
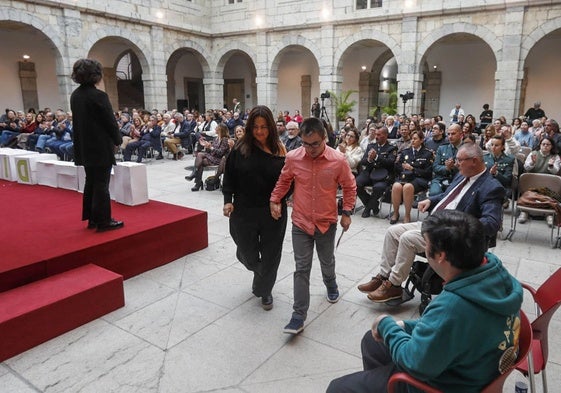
364	4
234	1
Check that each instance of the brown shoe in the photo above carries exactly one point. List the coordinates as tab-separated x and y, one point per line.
372	285
386	291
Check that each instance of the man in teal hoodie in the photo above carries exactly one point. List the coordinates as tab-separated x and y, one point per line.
466	334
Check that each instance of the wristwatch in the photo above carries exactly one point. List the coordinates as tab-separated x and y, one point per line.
346	213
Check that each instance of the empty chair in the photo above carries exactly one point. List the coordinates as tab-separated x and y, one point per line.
537	180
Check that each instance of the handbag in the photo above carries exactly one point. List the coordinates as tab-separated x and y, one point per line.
212	183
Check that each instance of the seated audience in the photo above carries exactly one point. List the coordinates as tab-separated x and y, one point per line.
544	160
293	140
413	172
437	138
352	150
500	164
524	136
444	166
211	155
149	136
377	171
473	191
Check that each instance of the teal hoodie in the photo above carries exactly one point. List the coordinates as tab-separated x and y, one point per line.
457	344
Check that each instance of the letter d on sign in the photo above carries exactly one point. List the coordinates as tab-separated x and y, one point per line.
23	171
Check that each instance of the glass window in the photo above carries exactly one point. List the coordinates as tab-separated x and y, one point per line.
364	4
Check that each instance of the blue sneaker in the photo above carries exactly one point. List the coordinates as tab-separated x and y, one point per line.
295	326
333	295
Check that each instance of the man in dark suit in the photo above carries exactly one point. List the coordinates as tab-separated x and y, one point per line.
96	135
377	171
473	191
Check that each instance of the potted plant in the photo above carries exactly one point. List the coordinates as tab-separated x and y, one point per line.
342	104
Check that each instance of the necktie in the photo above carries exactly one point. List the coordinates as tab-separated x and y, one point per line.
455	192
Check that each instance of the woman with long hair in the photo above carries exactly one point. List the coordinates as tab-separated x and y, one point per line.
252	170
351	149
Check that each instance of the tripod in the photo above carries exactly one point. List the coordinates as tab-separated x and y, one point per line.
323	114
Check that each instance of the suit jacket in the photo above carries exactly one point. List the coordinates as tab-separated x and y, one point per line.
96	132
483	200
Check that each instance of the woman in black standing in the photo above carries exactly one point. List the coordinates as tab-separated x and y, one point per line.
252	170
96	135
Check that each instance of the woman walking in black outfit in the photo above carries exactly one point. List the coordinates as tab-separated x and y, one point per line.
252	170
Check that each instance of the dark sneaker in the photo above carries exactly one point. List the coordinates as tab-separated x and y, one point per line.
333	295
295	326
372	285
267	302
386	291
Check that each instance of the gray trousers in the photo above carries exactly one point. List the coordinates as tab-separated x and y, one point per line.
303	245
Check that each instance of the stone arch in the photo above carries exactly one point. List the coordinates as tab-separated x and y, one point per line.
188	45
27	18
223	55
138	46
481	32
370	35
287	41
537	34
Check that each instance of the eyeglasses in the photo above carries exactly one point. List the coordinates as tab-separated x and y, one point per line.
460	160
313	145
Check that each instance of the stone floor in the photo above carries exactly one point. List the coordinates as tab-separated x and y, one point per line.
193	325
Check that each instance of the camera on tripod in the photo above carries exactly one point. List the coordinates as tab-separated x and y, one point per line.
407	96
325	95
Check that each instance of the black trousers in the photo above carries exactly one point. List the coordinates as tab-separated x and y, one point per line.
96	203
259	239
370	201
378	368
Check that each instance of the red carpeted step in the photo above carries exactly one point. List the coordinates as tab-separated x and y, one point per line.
36	312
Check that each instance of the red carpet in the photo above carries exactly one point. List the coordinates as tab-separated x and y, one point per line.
42	235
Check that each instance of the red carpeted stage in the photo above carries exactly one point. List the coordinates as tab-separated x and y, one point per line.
56	275
42	235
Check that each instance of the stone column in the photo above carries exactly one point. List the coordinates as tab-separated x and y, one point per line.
214	92
328	78
154	79
363	96
407	77
432	93
266	84
28	83
306	95
110	86
71	23
510	68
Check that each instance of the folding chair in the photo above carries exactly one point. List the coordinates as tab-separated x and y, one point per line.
536	180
